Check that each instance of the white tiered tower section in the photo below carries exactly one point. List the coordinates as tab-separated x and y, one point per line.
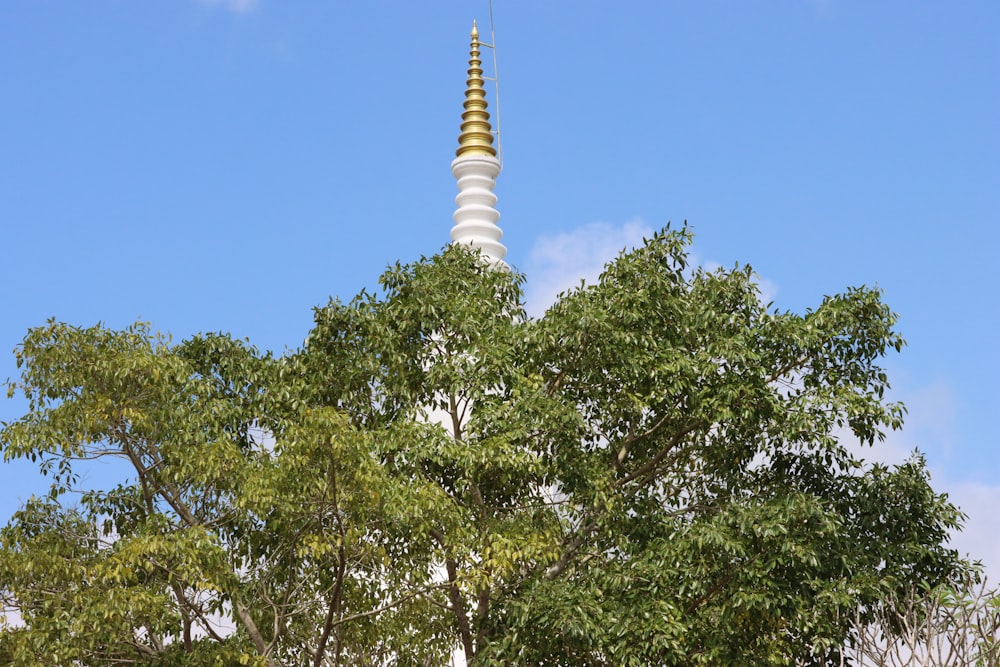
476	168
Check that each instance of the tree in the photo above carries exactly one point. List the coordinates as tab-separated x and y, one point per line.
647	474
955	624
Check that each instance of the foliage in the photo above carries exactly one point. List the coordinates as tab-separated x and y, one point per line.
654	472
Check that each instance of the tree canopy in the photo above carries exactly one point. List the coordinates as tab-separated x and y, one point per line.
655	471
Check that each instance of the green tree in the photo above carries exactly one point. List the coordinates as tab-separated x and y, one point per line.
650	473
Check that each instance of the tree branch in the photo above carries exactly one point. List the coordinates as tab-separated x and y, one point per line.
650	466
455	596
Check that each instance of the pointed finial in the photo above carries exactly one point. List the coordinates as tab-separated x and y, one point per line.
477	134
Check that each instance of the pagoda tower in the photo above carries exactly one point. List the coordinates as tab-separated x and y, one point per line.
476	168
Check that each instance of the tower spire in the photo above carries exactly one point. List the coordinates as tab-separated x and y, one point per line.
477	135
476	168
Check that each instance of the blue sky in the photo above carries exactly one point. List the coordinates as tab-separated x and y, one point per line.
229	164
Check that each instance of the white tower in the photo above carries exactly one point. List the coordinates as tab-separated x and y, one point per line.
476	169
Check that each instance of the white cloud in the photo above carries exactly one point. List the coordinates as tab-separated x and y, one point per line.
931	427
931	418
768	290
235	6
980	540
560	262
821	8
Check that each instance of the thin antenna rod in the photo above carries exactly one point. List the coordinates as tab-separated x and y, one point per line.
496	82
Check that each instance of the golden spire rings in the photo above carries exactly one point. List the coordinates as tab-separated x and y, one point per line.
477	134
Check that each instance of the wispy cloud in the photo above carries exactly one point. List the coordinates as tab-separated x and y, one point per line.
980	539
931	427
821	8
235	6
560	262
